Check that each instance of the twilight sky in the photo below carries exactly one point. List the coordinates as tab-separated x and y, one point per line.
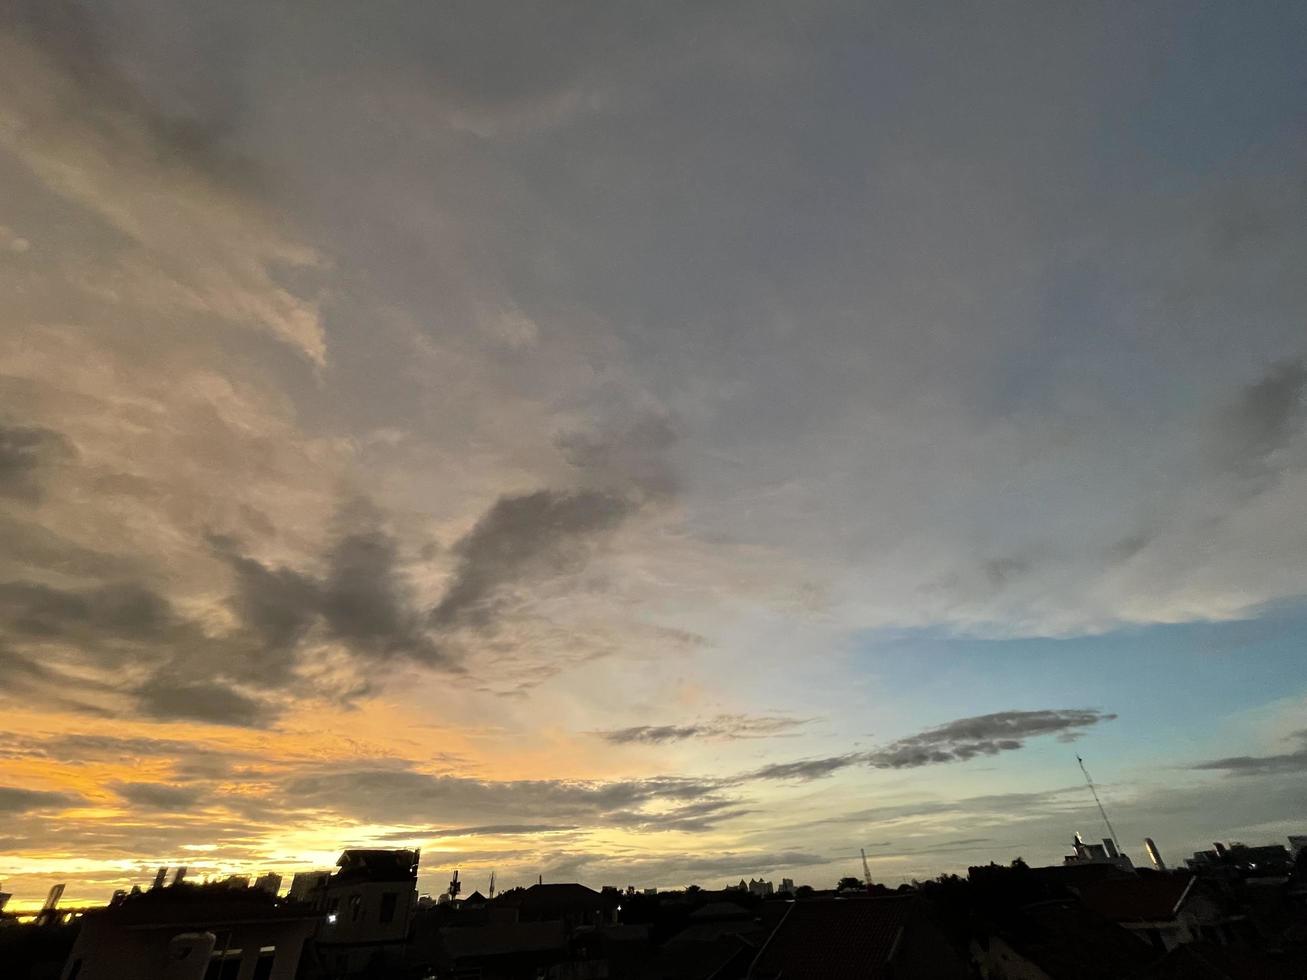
647	442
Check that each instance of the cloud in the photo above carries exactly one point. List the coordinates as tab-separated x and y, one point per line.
1261	765
366	601
13	242
24	452
169	699
398	795
15	800
544	532
1267	414
188	241
956	741
486	830
966	738
806	769
158	796
723	727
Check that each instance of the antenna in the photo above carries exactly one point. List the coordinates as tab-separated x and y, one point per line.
492	884
1092	789
866	868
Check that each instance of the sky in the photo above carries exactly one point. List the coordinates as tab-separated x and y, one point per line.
647	443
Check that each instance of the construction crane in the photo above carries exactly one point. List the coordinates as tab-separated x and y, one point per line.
1094	791
866	868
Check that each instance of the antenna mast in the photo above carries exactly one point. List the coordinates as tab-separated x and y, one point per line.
866	868
1094	790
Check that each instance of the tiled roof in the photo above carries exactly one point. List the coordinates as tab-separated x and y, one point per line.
834	939
1070	942
1154	898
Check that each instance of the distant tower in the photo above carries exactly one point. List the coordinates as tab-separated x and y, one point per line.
492	884
179	876
159	875
866	868
1154	854
455	886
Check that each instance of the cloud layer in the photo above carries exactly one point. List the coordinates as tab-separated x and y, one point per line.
508	429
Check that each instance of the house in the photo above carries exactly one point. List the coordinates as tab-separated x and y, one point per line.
192	931
1165	910
370	902
1057	940
567	902
865	938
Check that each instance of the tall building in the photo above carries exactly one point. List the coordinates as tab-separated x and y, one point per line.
269	882
193	931
370	903
306	885
1154	854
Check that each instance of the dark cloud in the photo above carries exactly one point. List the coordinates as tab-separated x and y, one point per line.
190	674
158	796
170	699
725	727
487	830
696	817
75	37
15	800
277	604
957	741
545	532
806	769
966	738
364	601
127	611
406	795
24	452
1266	414
367	602
633	455
1261	765
1000	571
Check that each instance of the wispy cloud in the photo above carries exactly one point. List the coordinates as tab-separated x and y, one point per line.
956	741
1293	761
722	727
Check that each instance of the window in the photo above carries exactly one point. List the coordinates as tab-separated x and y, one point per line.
355	907
263	966
388	902
224	965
